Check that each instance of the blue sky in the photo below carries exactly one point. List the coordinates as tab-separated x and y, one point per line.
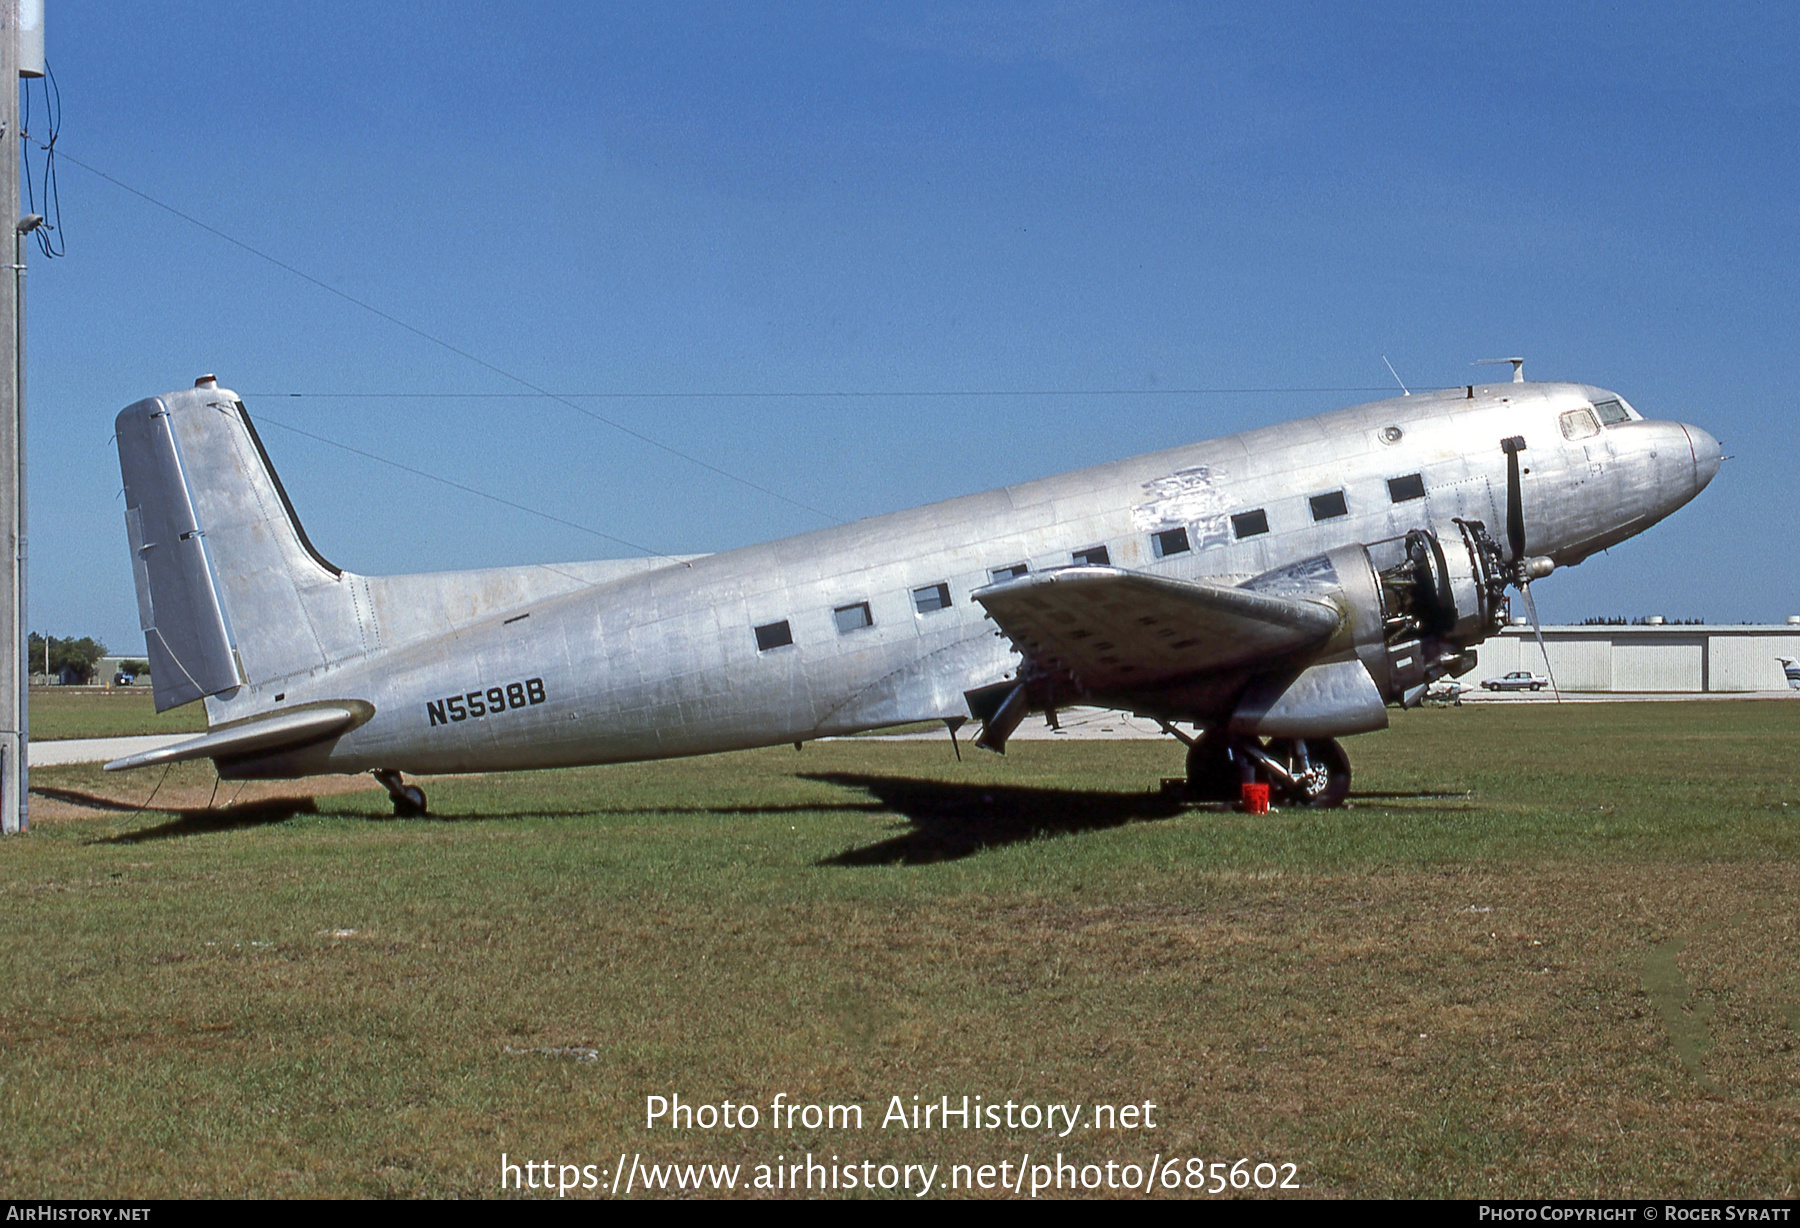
916	199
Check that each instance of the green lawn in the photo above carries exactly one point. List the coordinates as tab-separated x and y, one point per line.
105	712
1549	951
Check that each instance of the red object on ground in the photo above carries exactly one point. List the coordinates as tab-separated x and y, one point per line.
1256	799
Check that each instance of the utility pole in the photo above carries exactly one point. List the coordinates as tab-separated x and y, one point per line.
18	19
13	668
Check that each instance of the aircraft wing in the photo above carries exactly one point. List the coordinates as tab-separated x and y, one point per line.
1112	630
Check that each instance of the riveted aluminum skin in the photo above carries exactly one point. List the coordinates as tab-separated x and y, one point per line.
184	626
625	660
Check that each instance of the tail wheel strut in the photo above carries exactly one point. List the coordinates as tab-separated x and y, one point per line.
409	800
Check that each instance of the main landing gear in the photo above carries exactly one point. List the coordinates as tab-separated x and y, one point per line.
1311	772
409	800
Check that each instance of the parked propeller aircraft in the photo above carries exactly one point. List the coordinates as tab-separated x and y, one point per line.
1274	591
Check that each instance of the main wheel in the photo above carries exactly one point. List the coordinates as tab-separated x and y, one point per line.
1212	774
1324	783
409	803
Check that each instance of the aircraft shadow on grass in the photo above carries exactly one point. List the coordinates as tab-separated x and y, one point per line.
951	820
188	821
204	820
777	808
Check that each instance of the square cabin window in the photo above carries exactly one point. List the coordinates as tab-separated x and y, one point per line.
1329	506
1402	490
1170	541
1093	556
853	617
1012	571
773	635
1250	524
931	598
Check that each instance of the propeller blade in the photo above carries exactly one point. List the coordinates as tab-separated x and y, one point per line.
1515	501
1531	609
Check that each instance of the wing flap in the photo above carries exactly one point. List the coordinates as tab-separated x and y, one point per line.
1115	630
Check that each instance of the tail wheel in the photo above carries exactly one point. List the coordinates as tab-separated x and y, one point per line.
1321	775
409	800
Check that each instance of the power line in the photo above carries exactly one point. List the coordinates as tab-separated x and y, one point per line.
443	481
49	235
829	395
439	341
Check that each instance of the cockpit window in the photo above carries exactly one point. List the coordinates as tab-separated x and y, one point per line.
1611	412
1580	424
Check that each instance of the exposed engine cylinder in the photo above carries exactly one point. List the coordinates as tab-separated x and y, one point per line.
1444	598
1451	592
1413	607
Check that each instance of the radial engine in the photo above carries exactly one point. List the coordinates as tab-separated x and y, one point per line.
1413	609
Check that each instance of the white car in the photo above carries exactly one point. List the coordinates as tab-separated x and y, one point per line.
1518	680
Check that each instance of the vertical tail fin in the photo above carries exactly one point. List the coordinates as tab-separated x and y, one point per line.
230	591
178	607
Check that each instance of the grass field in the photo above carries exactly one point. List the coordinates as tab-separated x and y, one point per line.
105	712
1549	951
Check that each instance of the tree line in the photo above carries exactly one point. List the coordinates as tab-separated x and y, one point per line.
55	655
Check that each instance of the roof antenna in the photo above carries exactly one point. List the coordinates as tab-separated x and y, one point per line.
1518	365
1396	375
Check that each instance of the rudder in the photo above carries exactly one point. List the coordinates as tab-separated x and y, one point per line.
178	606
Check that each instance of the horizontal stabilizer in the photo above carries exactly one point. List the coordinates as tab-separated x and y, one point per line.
1114	630
274	733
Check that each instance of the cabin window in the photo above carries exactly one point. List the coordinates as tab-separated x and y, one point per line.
1412	486
1328	506
931	598
1093	556
1170	541
1012	571
773	635
1611	412
1250	524
853	617
1579	424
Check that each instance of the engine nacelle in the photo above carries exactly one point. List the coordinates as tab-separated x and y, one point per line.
1413	607
1451	591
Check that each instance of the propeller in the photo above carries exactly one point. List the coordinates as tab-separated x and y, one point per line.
1522	568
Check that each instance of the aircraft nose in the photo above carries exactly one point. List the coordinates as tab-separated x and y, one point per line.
1706	455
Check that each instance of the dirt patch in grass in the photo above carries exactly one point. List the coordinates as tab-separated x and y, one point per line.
60	795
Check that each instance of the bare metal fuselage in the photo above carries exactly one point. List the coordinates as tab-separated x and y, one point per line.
604	663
